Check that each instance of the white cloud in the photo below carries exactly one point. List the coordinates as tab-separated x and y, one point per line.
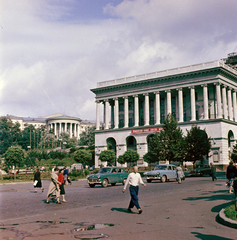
52	58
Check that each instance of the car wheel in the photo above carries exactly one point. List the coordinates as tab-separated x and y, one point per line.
105	183
148	180
113	184
92	185
163	178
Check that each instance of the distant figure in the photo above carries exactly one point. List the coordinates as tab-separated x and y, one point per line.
134	179
37	180
213	172
179	174
65	174
54	186
230	175
61	179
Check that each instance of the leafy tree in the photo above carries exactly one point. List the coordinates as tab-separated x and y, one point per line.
121	159
197	144
14	156
234	154
87	138
108	156
167	144
28	137
131	156
82	156
10	134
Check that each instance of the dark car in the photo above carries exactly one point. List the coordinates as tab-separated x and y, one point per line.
107	175
200	170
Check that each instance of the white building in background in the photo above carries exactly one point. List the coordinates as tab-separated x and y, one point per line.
135	107
57	123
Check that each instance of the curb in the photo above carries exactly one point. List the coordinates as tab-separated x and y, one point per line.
226	221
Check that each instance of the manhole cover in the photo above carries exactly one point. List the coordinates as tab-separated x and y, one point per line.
90	236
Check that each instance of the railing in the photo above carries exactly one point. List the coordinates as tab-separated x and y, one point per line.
168	72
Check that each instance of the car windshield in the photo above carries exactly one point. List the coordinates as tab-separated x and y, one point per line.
104	170
160	167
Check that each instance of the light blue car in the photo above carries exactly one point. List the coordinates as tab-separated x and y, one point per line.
164	172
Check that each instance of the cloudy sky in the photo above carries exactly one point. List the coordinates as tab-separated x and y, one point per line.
52	52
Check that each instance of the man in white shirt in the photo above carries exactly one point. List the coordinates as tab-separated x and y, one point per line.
134	179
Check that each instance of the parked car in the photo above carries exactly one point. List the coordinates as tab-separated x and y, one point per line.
200	170
164	172
107	175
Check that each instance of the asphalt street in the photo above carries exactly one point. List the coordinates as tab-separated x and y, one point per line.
170	211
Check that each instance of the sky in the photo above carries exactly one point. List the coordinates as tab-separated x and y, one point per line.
52	52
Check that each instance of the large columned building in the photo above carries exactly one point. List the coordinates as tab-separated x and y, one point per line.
135	107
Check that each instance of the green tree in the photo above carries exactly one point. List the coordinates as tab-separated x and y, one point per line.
197	144
131	156
108	156
87	138
234	154
14	156
28	137
82	156
168	144
121	159
10	134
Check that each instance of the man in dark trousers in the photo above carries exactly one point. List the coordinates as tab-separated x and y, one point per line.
134	179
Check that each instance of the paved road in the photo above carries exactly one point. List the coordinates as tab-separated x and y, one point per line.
171	211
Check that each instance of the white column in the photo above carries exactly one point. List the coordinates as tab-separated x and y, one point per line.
235	105
205	101
224	102
230	104
97	115
116	113
78	130
218	99
74	130
136	111
106	114
181	107
60	128
146	112
193	103
157	108
168	97
55	129
126	111
70	131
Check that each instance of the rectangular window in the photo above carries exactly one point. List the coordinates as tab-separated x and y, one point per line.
121	107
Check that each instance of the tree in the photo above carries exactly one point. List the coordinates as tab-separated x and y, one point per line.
87	138
121	159
28	137
234	154
82	156
131	156
10	134
14	156
197	144
168	144
108	156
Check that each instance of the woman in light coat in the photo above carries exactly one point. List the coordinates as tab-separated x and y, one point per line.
54	186
179	173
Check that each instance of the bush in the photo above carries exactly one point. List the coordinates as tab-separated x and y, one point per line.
86	172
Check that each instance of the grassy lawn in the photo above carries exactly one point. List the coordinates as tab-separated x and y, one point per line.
230	211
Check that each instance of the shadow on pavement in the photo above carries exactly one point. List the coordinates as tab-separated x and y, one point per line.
125	210
227	197
209	237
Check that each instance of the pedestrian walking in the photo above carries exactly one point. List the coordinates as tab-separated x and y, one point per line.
230	175
180	173
61	179
54	186
37	180
213	172
65	174
133	180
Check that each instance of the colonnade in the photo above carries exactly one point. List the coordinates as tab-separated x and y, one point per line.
224	97
69	127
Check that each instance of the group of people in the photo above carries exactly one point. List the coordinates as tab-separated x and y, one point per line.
59	177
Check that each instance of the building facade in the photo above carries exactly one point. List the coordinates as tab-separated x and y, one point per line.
57	123
135	107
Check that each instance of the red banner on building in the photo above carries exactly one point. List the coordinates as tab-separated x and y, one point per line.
147	130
